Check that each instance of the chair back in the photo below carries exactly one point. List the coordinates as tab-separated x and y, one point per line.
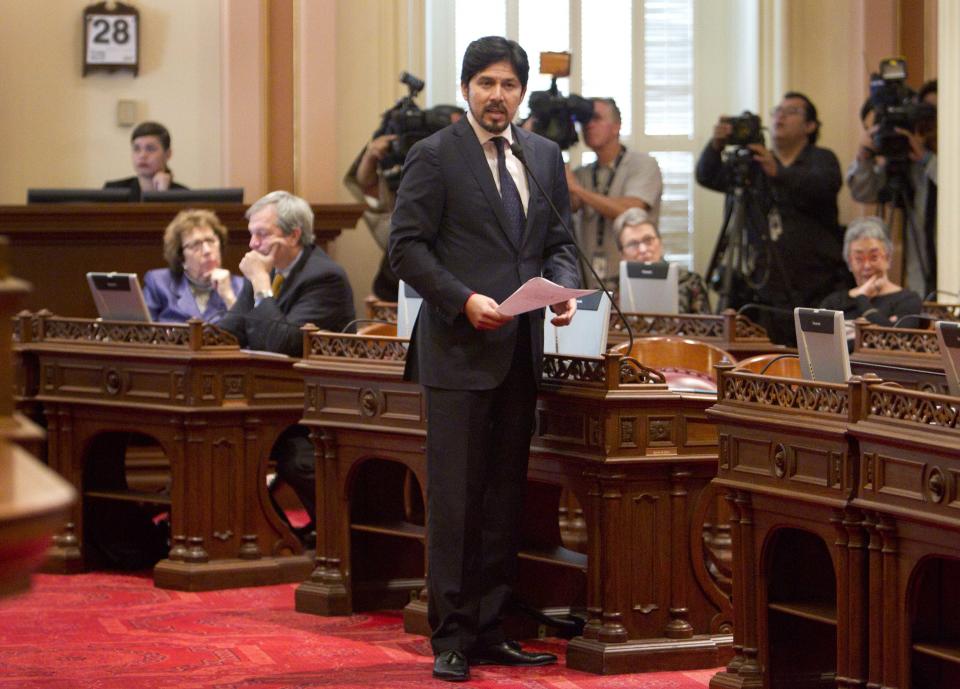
686	364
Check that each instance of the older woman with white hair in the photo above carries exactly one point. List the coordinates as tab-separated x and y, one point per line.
867	250
639	240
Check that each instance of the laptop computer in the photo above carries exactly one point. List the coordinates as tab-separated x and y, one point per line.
649	287
587	333
822	344
948	336
118	297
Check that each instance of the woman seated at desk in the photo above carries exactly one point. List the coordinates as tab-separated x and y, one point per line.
867	249
194	286
150	152
639	240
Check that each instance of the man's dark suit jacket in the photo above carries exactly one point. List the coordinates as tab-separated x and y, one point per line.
316	291
133	184
450	239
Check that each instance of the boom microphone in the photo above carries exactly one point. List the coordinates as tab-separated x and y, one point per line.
517	151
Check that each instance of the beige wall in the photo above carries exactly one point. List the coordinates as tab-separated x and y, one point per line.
59	129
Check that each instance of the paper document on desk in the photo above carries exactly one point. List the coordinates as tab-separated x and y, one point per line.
536	293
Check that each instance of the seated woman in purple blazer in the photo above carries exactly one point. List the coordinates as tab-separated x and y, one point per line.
194	286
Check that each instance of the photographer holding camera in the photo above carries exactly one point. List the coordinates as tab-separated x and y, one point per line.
791	248
898	156
374	176
617	181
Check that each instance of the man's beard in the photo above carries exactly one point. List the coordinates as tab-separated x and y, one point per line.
489	126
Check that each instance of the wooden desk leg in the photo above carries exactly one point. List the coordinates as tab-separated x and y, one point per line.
325	591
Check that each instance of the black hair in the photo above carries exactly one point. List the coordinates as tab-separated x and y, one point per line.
925	90
488	50
810	114
152	129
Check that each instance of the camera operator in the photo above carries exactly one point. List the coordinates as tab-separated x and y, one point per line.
791	214
374	176
618	180
868	178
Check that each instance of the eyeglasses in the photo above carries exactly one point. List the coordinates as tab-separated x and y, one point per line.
788	110
198	244
643	241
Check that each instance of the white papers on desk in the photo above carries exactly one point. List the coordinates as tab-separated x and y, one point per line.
537	293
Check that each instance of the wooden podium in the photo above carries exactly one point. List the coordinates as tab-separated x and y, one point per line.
638	458
55	245
214	410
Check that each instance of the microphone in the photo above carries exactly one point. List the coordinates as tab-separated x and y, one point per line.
935	292
517	151
763	307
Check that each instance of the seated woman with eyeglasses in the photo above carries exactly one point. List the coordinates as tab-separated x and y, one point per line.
639	240
867	250
194	286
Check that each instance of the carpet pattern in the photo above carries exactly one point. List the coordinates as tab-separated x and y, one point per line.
116	631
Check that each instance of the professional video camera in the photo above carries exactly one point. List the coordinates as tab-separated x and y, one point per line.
409	123
895	106
553	114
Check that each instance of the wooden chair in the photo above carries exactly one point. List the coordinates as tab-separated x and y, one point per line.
782	365
686	364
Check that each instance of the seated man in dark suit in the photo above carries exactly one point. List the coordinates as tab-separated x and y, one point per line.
289	282
150	151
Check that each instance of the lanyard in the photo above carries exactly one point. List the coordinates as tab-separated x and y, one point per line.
602	225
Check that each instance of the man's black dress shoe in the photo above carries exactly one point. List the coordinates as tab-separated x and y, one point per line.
451	666
509	653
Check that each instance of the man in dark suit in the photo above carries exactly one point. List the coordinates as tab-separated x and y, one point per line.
289	282
468	229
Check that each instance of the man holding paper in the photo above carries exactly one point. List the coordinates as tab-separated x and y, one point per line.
468	229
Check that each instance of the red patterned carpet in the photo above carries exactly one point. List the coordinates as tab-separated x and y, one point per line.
113	631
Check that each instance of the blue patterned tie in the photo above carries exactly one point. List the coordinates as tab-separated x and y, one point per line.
512	205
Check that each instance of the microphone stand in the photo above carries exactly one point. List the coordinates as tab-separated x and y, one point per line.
517	151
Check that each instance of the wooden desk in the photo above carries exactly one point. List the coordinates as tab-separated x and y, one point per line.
799	550
908	492
902	355
637	456
55	245
214	410
729	331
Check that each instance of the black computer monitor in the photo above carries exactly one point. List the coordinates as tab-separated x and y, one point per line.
224	195
78	195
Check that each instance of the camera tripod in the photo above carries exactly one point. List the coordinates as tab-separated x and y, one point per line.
897	194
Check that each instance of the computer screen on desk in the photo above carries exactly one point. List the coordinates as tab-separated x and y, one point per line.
118	297
226	195
78	195
822	345
408	306
649	287
948	336
587	333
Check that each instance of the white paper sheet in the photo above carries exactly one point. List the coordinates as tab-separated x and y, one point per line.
536	293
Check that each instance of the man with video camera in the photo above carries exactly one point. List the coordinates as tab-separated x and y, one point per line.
885	168
792	237
618	180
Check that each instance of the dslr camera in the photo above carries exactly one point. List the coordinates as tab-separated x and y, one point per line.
553	114
746	129
409	123
895	106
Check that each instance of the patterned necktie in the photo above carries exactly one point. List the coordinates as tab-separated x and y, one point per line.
512	205
277	284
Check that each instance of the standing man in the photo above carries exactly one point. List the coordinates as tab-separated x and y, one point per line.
618	180
467	231
793	233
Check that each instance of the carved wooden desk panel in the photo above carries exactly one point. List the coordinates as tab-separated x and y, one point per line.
66	241
903	355
908	491
799	550
637	456
214	410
